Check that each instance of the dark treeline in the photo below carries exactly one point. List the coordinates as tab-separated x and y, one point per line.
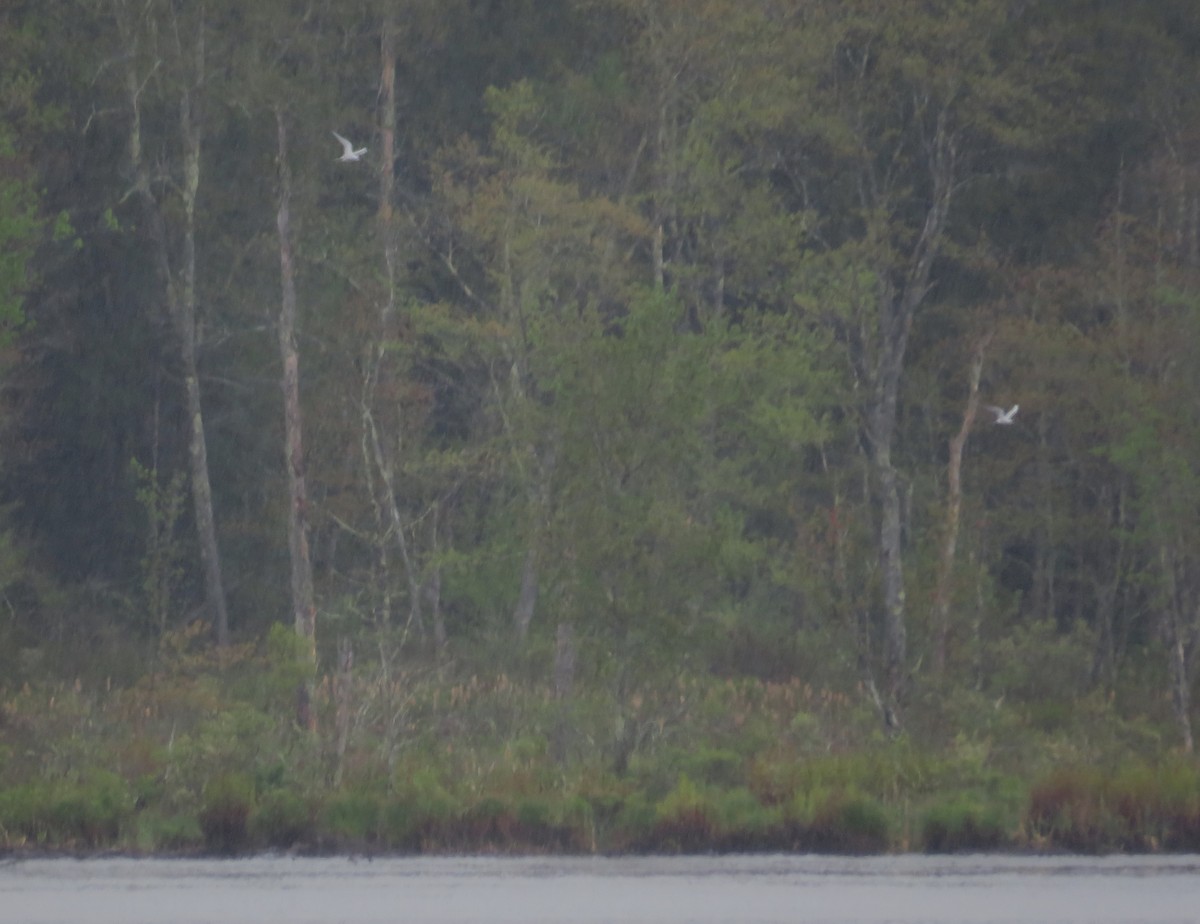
647	340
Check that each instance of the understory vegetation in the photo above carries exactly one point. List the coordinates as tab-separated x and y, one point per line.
206	755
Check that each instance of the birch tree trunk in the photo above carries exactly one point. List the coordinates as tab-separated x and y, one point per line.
527	598
1178	641
944	587
304	610
378	452
180	287
897	305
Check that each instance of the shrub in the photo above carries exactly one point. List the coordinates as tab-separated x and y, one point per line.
534	814
85	814
109	803
849	822
157	832
420	814
23	814
352	816
684	820
634	821
228	801
1068	809
402	824
282	819
962	825
744	823
546	824
91	813
489	821
714	766
1159	806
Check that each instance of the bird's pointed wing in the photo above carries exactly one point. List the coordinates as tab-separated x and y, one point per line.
1015	408
346	145
998	411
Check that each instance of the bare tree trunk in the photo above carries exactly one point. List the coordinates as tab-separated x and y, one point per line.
540	471
376	452
1180	688
433	584
895	634
344	698
527	598
396	522
380	566
943	588
660	198
897	305
1106	654
1176	640
564	686
1045	567
181	290
374	354
304	610
895	321
387	121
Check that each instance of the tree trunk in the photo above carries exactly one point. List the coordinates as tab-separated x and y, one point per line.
895	634
1108	588
539	493
1045	562
564	687
1177	642
943	588
304	610
433	584
180	288
897	303
344	698
377	452
1180	690
387	123
527	598
895	321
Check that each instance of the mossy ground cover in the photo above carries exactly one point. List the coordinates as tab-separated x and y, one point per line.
206	756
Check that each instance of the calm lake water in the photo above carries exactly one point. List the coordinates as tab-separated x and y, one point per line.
704	890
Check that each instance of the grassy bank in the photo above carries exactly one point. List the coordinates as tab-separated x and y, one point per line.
205	754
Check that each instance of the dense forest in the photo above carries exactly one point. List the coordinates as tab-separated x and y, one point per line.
578	402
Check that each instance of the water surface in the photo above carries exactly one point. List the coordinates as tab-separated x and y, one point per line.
695	890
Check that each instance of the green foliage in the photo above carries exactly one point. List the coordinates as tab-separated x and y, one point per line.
281	819
1140	807
167	833
1038	663
714	767
684	822
89	813
352	817
420	808
744	821
162	567
19	230
288	663
227	804
477	792
849	822
963	825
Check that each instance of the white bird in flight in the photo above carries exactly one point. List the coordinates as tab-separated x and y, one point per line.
1003	416
348	151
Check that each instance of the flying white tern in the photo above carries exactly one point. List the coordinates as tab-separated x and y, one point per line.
1003	416
348	150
